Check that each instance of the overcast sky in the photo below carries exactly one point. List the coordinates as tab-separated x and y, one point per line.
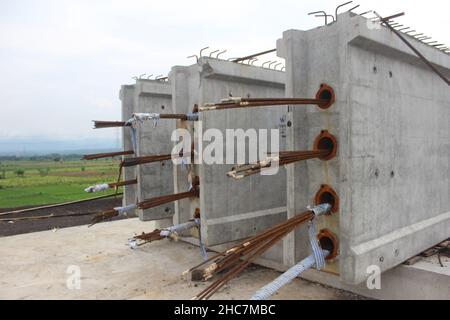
62	62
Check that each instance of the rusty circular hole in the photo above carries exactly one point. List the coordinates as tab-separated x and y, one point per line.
326	141
326	194
328	242
326	93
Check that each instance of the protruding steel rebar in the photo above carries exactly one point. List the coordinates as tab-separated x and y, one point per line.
212	52
154	202
131	162
203	49
254	55
193	56
365	12
324	99
220	53
146	204
324	14
113	124
235	260
170	232
420	55
283	159
107	155
340	6
355	7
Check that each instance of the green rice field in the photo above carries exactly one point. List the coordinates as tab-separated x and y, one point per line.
30	183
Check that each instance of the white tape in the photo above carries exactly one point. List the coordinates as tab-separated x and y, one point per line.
97	188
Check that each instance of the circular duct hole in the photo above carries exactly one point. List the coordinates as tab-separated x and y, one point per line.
326	93
326	141
326	194
328	242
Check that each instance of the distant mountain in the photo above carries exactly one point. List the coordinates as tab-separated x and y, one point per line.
41	146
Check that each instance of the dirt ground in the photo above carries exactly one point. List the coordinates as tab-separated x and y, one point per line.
37	266
60	220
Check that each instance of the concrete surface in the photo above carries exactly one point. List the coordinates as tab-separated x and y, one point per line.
424	280
126	96
230	209
34	266
391	118
154	179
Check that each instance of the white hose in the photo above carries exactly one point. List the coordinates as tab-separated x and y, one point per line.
125	210
178	228
317	258
267	291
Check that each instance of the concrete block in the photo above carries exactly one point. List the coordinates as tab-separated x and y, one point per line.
391	118
128	108
155	179
230	210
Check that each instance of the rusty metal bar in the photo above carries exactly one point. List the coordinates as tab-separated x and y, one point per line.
235	260
325	97
131	162
107	155
122	183
154	202
109	124
113	124
340	6
283	159
420	55
170	232
254	55
247	104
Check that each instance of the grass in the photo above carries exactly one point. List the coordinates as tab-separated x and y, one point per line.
48	182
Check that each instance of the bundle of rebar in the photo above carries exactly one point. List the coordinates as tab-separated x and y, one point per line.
147	237
104	215
131	162
157	234
122	183
107	155
112	124
234	103
235	260
284	158
146	204
154	202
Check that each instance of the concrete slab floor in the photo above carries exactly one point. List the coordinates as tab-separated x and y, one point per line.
35	265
